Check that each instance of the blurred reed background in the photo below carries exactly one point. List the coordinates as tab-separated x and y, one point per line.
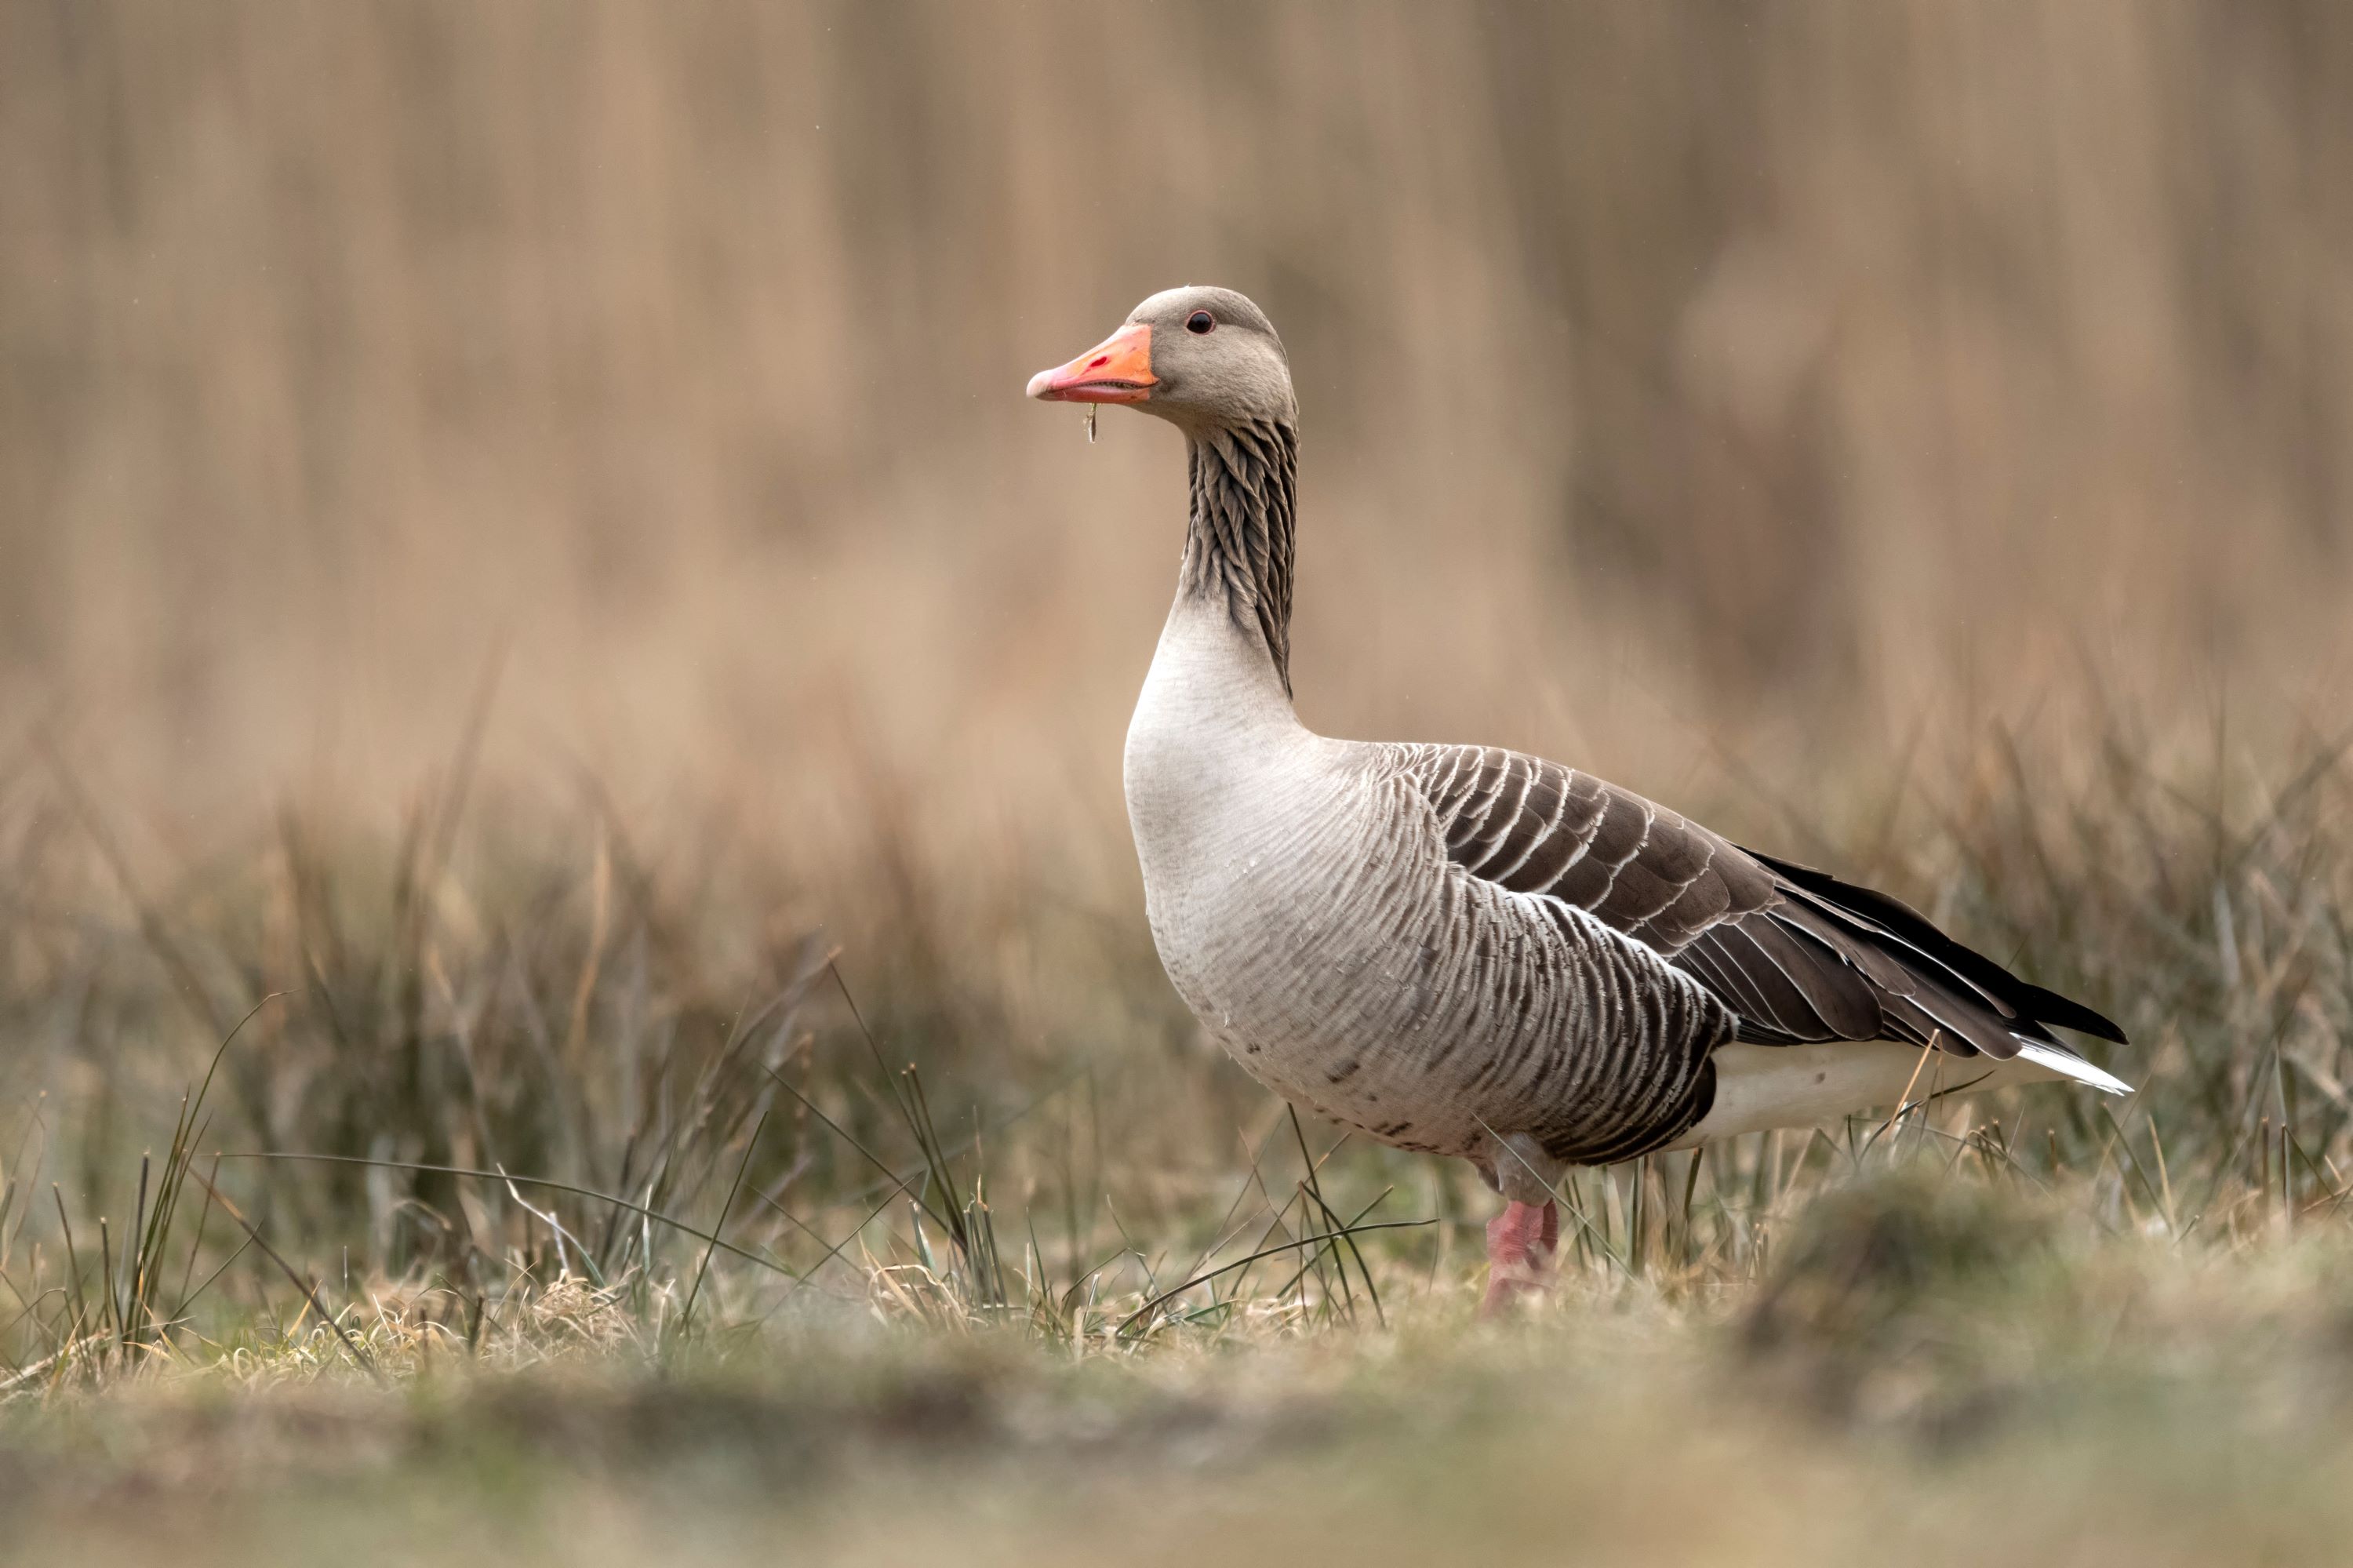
1836	418
1777	372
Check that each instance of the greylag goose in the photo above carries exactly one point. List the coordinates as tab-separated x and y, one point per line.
1464	951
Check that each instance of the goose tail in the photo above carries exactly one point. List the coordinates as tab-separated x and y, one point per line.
2067	1064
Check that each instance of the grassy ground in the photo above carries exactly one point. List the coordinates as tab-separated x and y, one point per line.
1941	1370
380	1193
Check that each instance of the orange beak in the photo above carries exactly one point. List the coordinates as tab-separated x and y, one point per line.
1116	370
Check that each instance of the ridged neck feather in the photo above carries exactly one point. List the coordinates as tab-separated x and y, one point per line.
1238	541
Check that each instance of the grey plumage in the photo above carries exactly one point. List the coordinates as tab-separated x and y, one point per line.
1465	950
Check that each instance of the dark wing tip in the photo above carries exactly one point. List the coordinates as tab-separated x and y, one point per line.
2033	1001
2050	1007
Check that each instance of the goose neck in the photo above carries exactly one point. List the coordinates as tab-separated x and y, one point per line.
1239	537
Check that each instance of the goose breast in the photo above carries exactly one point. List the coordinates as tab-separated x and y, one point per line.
1304	906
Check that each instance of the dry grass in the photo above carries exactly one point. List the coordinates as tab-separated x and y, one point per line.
1102	1257
526	587
478	1053
1937	1369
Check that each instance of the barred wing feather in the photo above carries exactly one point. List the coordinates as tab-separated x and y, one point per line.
1797	955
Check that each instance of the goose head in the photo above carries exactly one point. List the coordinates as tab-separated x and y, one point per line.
1198	357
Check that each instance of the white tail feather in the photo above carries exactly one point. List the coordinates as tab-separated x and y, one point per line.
2067	1064
1763	1086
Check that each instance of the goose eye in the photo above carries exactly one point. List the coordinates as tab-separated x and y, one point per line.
1200	321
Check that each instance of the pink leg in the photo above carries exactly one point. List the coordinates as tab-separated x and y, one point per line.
1520	1243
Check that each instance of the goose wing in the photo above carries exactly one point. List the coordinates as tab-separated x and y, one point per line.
1796	955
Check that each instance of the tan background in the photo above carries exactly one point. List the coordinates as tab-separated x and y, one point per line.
1722	396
